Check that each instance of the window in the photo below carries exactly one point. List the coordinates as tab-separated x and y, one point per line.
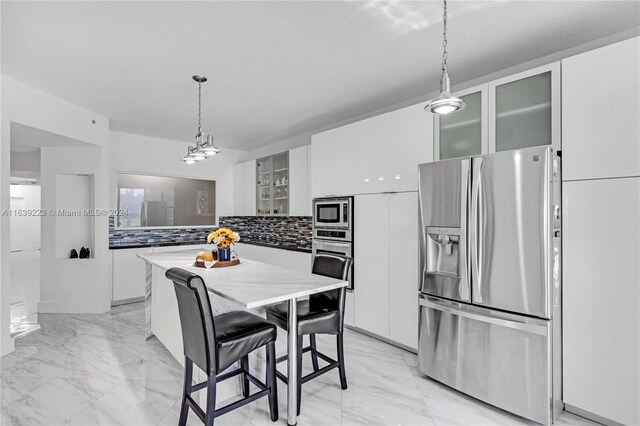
165	201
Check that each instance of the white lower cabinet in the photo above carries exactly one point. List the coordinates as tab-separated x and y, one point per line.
601	297
386	266
403	268
371	263
128	270
350	309
128	274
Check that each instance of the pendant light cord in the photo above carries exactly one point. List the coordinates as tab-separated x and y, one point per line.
199	105
444	38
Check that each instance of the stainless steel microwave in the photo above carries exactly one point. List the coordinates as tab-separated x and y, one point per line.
332	212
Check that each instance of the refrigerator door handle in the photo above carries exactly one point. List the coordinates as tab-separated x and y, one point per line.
510	321
476	214
465	292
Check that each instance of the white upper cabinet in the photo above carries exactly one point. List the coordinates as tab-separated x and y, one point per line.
371	156
332	162
600	112
300	201
373	145
244	177
411	143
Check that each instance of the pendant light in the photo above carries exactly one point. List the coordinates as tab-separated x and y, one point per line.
445	103
204	147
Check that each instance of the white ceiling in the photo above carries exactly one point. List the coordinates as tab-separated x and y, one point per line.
25	139
276	69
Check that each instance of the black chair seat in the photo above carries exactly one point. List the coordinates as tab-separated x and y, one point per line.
240	333
322	320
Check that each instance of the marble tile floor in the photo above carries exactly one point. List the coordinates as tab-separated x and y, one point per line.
88	369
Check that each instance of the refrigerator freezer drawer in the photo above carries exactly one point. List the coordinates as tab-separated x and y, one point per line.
500	358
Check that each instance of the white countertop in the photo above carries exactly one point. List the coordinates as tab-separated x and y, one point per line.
250	284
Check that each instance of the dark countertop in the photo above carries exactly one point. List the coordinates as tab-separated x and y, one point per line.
139	244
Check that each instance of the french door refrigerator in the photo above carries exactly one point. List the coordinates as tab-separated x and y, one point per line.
490	287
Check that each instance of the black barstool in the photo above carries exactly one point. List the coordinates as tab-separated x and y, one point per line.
323	313
214	343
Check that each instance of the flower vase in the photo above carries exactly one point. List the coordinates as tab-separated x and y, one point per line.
224	254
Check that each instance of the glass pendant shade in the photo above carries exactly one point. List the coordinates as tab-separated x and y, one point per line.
445	103
208	148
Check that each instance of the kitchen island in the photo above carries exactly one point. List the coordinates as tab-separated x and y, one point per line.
251	285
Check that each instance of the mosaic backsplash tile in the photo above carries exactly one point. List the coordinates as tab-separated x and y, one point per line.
124	237
276	231
292	232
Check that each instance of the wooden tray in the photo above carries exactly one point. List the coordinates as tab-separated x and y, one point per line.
220	264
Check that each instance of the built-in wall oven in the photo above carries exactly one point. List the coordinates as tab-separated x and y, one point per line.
333	228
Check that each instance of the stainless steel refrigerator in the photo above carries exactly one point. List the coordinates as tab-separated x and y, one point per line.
490	287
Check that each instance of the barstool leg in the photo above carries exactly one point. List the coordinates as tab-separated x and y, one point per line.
244	364
272	383
314	351
211	400
299	355
343	375
186	390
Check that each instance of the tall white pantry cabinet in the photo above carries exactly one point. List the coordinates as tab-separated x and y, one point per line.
376	160
601	225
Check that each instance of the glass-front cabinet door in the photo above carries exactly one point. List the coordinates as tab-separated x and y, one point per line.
463	133
519	111
525	109
264	174
272	187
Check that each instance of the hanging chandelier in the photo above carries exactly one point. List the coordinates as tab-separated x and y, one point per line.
445	103
204	146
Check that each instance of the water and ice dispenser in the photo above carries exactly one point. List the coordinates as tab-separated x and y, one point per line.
444	263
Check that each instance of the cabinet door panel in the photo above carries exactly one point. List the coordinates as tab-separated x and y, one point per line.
403	264
598	138
128	274
372	146
300	203
462	134
249	188
342	161
371	263
321	156
601	295
412	136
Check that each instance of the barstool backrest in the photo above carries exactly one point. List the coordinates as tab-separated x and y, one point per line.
196	318
333	266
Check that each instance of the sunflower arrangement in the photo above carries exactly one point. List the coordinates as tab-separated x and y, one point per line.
223	237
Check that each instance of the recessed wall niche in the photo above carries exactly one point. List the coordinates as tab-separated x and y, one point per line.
74	221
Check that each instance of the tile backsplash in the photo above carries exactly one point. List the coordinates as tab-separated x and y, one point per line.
293	232
123	237
277	231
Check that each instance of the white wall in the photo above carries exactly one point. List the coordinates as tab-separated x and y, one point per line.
146	155
25	251
23	104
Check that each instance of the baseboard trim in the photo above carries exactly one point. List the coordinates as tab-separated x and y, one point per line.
7	346
382	339
127	301
591	416
73	308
